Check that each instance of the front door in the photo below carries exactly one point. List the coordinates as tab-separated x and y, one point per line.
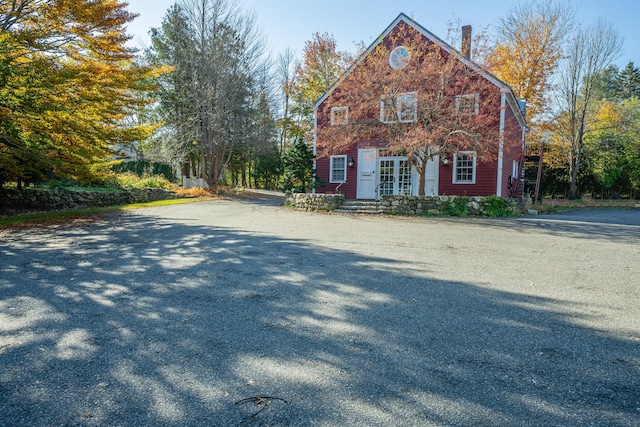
366	188
431	177
395	176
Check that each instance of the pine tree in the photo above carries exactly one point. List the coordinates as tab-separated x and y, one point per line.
628	82
299	173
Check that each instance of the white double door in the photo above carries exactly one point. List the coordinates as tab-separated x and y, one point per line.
378	176
395	176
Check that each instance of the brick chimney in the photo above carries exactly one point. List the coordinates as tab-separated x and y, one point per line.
465	50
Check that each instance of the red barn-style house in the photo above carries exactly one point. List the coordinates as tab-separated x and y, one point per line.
413	116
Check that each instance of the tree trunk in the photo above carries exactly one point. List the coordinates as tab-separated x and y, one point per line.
422	173
573	194
194	169
577	157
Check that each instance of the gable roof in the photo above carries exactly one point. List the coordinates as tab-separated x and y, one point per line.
445	46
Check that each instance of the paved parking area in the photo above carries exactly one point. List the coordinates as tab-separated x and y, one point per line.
241	312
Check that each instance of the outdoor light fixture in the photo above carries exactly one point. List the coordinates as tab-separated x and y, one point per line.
445	160
350	162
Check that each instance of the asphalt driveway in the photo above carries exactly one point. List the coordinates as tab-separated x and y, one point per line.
244	313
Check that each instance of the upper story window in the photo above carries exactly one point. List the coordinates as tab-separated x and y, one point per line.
339	116
401	108
464	168
399	57
338	169
468	104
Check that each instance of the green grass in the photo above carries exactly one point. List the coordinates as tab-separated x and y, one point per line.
75	213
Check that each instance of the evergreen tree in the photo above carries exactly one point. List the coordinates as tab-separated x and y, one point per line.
299	174
628	82
217	56
605	86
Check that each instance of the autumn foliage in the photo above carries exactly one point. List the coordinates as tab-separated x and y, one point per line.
438	104
528	50
68	87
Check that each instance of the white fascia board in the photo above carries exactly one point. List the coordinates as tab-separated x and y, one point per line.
503	115
513	103
315	142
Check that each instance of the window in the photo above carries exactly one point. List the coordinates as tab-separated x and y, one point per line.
401	108
399	57
387	110
468	104
464	168
339	116
338	168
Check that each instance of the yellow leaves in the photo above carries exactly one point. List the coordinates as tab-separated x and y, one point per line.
528	51
608	114
68	83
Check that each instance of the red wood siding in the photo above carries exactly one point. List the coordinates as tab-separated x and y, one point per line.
512	149
486	170
323	165
486	178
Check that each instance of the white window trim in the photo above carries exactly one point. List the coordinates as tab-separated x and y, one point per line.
396	109
475	96
473	170
332	158
346	115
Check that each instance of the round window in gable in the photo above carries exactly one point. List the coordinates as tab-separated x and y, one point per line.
399	57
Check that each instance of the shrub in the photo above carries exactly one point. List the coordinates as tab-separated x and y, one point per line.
495	206
457	207
131	180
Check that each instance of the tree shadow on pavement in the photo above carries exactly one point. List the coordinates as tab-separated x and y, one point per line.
131	321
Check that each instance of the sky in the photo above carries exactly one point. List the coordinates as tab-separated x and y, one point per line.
289	23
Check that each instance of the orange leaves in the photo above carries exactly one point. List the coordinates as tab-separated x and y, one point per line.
69	84
322	66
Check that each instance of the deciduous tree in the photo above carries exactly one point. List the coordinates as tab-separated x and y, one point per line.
528	48
614	145
591	51
216	52
67	86
286	80
321	67
432	105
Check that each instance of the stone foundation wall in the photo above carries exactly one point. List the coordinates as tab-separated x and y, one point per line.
314	202
13	200
443	205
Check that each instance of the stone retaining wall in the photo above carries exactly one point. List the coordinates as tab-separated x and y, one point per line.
13	200
314	202
443	205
